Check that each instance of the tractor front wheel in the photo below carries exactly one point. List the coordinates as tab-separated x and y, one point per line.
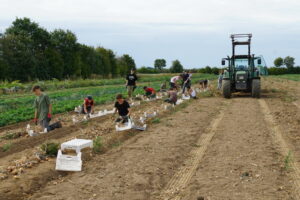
255	88
226	88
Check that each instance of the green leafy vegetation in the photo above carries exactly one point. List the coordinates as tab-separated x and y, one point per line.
116	144
287	160
9	136
17	108
50	148
156	120
6	147
207	93
97	145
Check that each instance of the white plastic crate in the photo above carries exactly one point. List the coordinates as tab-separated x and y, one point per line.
150	115
142	119
184	97
99	114
77	109
68	162
32	133
77	144
141	128
110	111
126	126
179	101
135	104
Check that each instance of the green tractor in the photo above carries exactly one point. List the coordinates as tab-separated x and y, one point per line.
242	74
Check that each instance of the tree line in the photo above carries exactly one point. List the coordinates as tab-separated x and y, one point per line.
284	66
29	52
176	67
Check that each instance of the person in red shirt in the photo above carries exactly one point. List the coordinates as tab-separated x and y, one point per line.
150	92
88	105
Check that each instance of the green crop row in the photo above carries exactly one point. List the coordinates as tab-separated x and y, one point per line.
80	83
22	108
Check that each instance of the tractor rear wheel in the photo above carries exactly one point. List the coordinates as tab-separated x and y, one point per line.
226	88
255	88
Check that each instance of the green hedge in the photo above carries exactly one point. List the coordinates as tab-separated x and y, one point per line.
281	71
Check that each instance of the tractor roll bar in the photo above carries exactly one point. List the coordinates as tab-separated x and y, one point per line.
236	43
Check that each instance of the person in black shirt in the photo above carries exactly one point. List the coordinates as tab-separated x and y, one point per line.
131	83
186	81
123	109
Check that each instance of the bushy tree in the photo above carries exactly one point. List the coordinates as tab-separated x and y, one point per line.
125	63
278	62
65	42
147	70
159	64
289	62
26	41
176	67
28	52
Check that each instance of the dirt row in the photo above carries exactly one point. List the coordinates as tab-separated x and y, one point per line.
141	166
249	157
242	161
44	171
241	148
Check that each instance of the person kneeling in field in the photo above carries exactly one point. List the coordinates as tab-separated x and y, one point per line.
172	94
150	92
123	109
43	109
203	84
192	93
88	105
163	87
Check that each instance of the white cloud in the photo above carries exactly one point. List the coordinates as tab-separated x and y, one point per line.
176	21
196	12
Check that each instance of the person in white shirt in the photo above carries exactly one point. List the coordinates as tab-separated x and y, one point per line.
192	93
174	80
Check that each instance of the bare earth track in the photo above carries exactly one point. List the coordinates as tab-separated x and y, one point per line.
212	149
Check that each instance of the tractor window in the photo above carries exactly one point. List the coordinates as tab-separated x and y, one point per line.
263	63
241	64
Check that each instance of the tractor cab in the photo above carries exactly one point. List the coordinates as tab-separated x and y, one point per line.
242	73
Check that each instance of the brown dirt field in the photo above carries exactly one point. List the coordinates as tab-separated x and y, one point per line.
140	167
242	161
86	130
209	149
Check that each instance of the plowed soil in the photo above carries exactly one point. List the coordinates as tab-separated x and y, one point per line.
206	149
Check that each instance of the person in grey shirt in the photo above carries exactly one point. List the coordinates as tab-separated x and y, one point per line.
43	109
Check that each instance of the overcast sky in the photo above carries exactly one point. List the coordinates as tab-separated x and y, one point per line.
194	31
